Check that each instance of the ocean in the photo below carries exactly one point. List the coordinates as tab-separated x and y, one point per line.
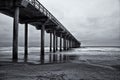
95	55
87	63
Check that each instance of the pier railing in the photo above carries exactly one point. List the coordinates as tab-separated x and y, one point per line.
43	10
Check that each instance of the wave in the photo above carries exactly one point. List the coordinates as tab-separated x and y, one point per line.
99	49
86	50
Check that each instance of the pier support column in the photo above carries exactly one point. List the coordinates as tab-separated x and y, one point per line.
26	42
50	56
70	44
54	49
60	42
56	55
42	43
15	34
56	43
65	43
50	42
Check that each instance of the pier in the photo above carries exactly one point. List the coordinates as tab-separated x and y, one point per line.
34	13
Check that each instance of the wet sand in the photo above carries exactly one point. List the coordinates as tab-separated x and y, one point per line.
73	70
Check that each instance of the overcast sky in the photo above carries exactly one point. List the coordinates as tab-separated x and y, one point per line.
93	22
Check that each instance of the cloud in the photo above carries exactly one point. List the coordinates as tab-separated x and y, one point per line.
97	20
87	20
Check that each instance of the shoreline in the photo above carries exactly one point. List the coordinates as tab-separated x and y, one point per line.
60	71
90	64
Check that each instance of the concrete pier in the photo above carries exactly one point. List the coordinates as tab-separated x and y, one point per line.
42	44
64	44
54	46
67	44
60	42
15	33
26	42
56	43
50	42
34	13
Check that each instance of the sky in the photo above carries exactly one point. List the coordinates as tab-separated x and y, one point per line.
93	22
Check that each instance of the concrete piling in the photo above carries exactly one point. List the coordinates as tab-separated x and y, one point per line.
60	42
42	44
15	34
50	42
43	20
26	43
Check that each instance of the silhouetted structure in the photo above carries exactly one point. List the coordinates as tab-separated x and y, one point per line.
34	13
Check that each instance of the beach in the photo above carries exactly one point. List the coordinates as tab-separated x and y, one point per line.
62	71
103	65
